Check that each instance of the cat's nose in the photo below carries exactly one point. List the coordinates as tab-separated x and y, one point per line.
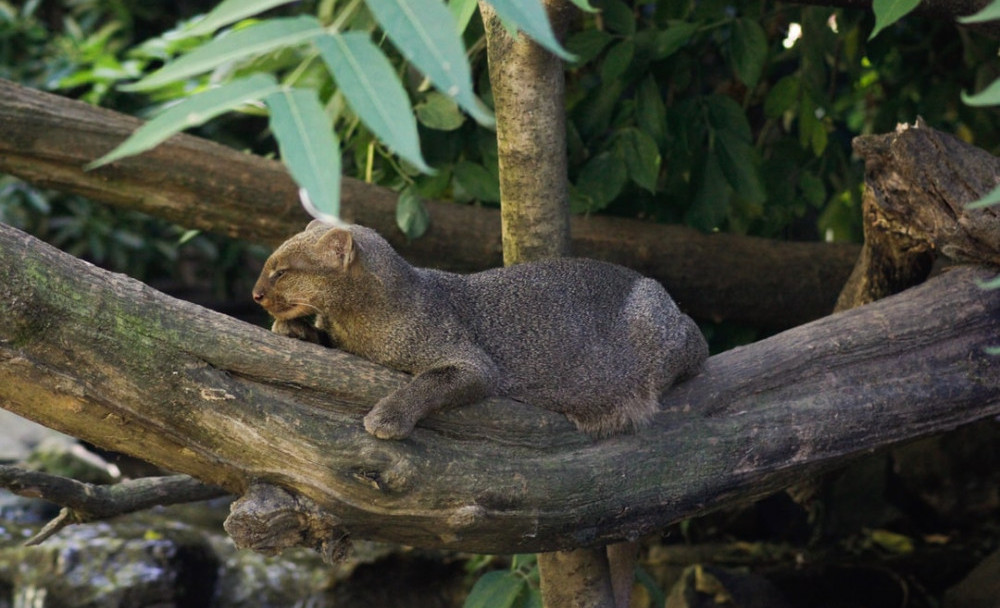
258	296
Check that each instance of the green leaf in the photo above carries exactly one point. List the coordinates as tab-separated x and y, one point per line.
530	17
990	12
191	112
748	50
812	189
477	182
991	198
308	147
246	43
618	17
497	589
990	96
782	96
438	111
230	11
642	158
617	60
411	214
711	203
588	44
670	40
462	11
424	31
372	88
737	161
726	115
584	5
650	112
888	12
601	180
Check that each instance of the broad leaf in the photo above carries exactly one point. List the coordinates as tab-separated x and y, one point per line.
737	161
642	158
650	111
371	86
888	12
246	43
670	40
438	111
191	112
748	50
308	146
529	16
411	215
230	11
497	589
600	181
990	96
588	44
782	96
990	12
617	60
424	31
711	203
477	182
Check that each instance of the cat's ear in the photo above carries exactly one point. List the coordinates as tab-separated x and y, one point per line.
315	223
337	248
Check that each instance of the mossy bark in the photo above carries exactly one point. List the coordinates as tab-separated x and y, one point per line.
107	359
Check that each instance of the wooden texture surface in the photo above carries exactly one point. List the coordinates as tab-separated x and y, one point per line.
47	140
112	361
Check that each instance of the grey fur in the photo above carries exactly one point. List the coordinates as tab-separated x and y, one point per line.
592	340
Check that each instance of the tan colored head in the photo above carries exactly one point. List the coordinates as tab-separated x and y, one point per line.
297	279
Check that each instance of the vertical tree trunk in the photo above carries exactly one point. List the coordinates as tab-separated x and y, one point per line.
529	100
528	94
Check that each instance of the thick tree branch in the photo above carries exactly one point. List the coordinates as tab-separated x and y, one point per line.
107	359
47	140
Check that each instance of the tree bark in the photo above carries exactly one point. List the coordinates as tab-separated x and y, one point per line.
528	87
107	359
47	140
529	96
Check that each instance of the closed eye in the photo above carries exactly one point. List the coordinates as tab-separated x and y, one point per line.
277	274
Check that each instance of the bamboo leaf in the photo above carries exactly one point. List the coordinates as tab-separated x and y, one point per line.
230	11
308	146
371	86
191	112
424	31
888	12
530	17
246	43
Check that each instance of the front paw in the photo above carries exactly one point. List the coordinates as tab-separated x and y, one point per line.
387	424
300	330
